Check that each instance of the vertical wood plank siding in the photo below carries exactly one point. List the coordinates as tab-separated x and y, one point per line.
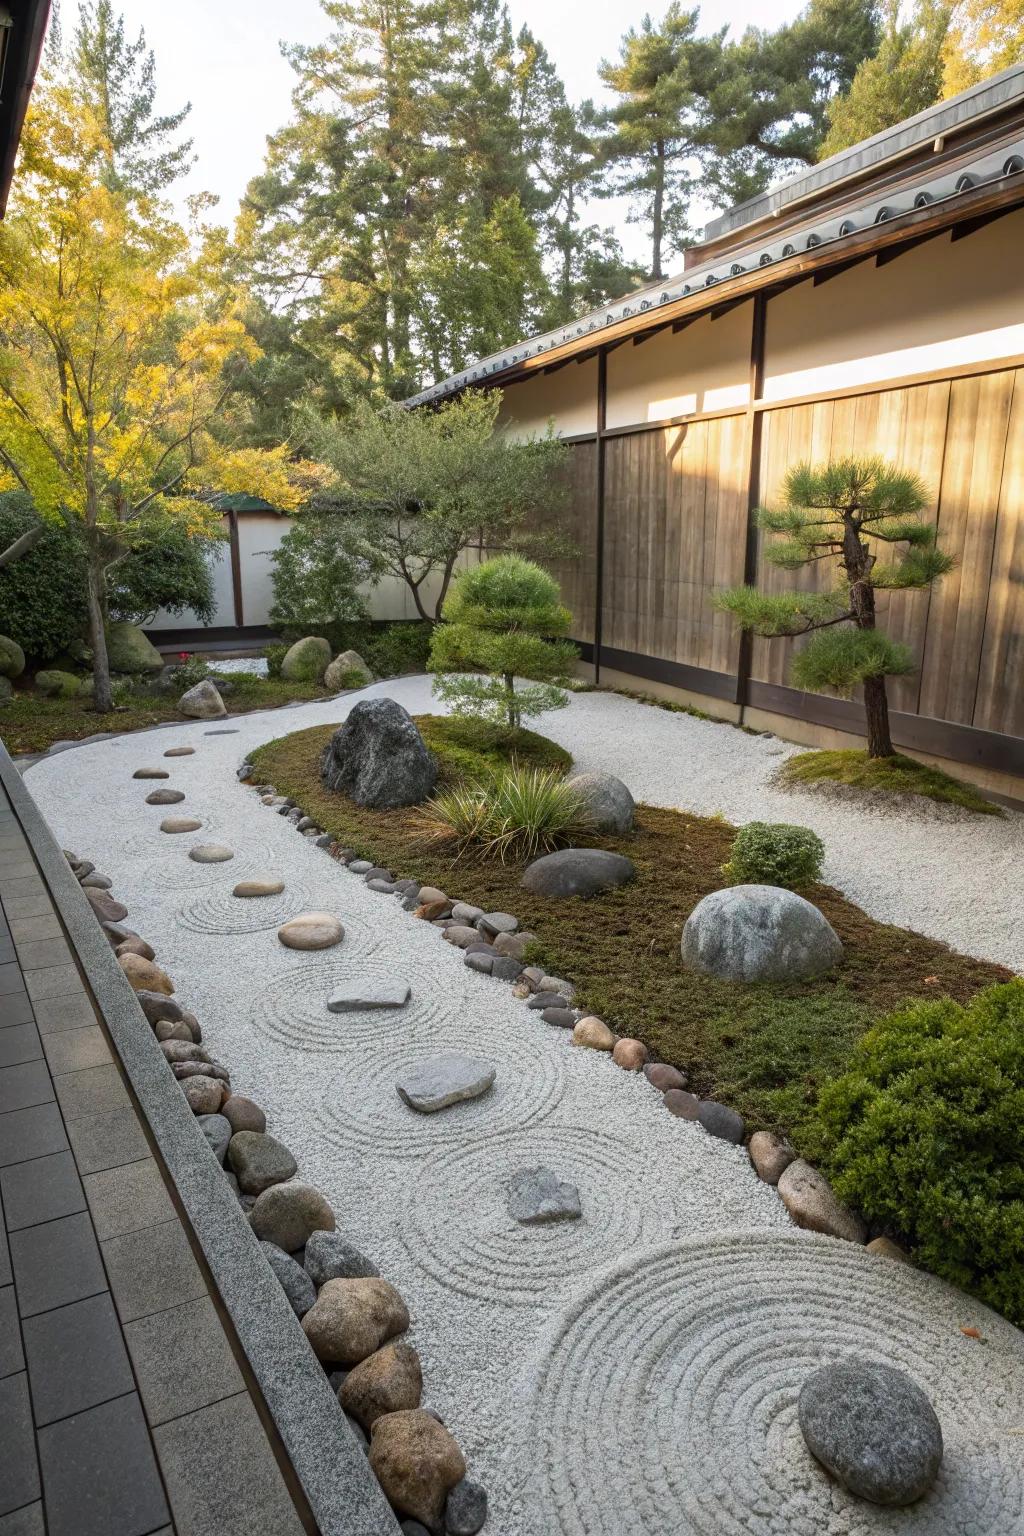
675	523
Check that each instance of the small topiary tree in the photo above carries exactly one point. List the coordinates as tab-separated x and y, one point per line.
923	1136
774	853
503	617
835	510
316	580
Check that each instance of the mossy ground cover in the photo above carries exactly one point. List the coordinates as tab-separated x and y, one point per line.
879	776
31	723
764	1049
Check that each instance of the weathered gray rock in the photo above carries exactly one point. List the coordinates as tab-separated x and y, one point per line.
464	912
351	997
608	804
307	660
205	1094
378	757
289	1214
107	908
663	1076
330	1256
811	1201
202	702
179	752
444	1080
96	882
759	933
210	853
347	670
577	872
493	923
719	1120
466	1509
156	1007
218	1133
537	1197
873	1428
559	1016
259	1161
295	1283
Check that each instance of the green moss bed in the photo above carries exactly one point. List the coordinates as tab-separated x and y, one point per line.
876	776
764	1049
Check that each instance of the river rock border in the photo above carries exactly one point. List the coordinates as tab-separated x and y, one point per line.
494	945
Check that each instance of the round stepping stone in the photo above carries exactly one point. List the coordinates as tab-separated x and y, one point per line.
180	824
179	752
441	1081
311	930
165	797
258	888
151	773
537	1196
210	853
873	1428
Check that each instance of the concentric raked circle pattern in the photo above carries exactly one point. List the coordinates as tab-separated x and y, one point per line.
459	1227
294	1011
665	1398
218	911
361	1106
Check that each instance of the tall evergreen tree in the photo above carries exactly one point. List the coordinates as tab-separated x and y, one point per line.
903	77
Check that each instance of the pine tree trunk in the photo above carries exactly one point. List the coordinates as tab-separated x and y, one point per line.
511	707
876	710
102	697
658	211
859	562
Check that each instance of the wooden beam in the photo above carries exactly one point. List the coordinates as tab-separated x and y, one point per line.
680	325
236	568
971	226
602	423
755	419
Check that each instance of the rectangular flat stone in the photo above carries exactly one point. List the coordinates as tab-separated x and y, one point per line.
23	1086
10	979
351	998
55	1264
54	1014
152	1269
128	1198
11	1355
41	1190
76	1358
19	1044
25	930
26	1521
53	981
221	1475
90	1092
19	1470
15	1008
182	1360
39	954
107	1139
75	1050
34	903
26	1133
99	1473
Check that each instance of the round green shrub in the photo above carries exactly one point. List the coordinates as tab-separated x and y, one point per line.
775	853
42	593
923	1136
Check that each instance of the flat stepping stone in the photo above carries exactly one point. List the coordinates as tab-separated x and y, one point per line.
441	1081
165	797
311	930
151	773
232	732
210	853
180	824
179	751
351	997
537	1196
258	888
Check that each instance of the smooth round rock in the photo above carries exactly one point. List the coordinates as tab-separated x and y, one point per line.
151	773
258	887
259	1161
311	930
295	1283
560	1018
577	872
135	947
205	1095
721	1121
885	1248
179	751
243	1115
873	1428
180	824
663	1077
417	1463
165	797
629	1054
608	803
289	1214
388	1381
218	1133
682	1104
156	1006
466	1509
165	1030
593	1033
770	1155
144	975
759	933
813	1204
210	853
352	1318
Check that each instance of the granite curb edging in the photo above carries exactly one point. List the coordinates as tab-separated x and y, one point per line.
343	1494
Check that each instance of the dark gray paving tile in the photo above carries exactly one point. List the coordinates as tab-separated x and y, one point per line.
18	1044
41	1190
18	865
56	1263
182	1360
76	1358
222	1479
14	887
128	1198
43	953
74	1050
11	1357
152	1269
19	1470
99	1473
15	1008
54	1014
27	1521
54	981
34	1132
32	904
23	1086
6	1273
26	930
8	953
107	1140
91	1091
12	841
10	979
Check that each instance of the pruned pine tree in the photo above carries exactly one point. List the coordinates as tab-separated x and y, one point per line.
841	512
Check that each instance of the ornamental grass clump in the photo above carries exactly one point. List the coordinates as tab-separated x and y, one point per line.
774	853
923	1136
514	815
503	619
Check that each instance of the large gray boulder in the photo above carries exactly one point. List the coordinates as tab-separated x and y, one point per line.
203	702
378	757
873	1428
307	660
609	804
577	872
759	933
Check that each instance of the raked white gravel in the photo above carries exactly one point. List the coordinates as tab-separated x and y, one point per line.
502	1312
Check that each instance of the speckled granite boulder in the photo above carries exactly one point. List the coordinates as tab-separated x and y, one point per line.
378	757
873	1428
759	933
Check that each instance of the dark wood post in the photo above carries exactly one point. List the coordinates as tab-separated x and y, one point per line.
236	568
753	458
602	422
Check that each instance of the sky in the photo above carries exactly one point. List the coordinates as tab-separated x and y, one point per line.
224	56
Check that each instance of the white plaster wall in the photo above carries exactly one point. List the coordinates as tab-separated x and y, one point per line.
569	396
223	592
944	304
705	367
259	535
